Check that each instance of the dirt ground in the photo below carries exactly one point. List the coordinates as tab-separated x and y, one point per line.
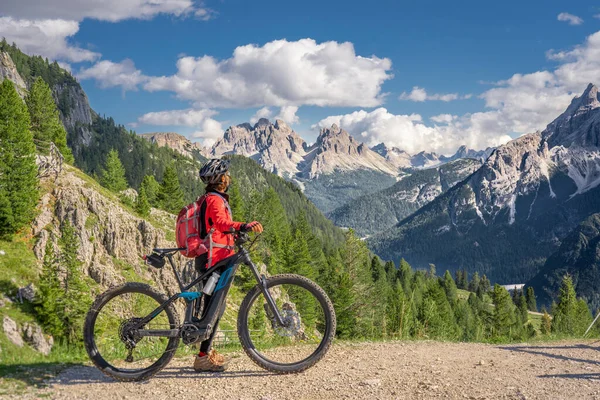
392	370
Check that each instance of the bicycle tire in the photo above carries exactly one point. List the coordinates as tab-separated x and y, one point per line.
90	344
312	359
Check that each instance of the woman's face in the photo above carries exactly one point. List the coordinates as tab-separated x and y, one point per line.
226	180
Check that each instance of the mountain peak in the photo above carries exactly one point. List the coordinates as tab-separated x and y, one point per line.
262	122
579	124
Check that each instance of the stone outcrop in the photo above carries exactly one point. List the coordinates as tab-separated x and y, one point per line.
11	330
110	237
33	335
8	70
176	142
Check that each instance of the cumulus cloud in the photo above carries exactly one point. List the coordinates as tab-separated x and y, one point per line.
188	117
443	118
264	112
109	74
570	18
419	95
521	104
46	27
104	10
288	114
210	131
46	37
280	73
409	133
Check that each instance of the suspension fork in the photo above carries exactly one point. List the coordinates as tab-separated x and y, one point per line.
262	281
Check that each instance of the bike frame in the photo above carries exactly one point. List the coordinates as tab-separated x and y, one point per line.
216	306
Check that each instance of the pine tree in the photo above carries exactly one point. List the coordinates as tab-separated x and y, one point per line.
343	300
235	201
458	278
524	314
151	187
113	175
474	283
18	172
531	303
564	314
170	195
76	298
505	322
450	288
142	205
485	284
45	121
546	325
47	303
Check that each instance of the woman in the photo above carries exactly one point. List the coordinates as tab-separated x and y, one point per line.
215	213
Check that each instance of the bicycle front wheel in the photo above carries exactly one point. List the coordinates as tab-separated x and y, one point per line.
109	332
305	336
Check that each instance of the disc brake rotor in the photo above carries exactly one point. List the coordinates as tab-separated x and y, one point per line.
292	323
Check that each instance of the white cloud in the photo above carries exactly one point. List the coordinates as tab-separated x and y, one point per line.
109	74
45	37
521	104
104	10
189	117
597	16
443	118
410	134
288	114
570	18
419	95
264	112
280	73
210	131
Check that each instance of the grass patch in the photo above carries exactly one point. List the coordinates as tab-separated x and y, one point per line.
18	263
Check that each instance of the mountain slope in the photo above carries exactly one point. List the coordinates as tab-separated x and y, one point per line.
579	256
381	210
513	212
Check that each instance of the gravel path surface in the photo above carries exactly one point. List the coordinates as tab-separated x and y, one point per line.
392	370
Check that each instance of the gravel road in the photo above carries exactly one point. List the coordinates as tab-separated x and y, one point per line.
392	370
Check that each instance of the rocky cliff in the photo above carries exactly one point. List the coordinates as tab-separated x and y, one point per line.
8	70
112	239
176	142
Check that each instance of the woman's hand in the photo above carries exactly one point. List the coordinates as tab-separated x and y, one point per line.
253	226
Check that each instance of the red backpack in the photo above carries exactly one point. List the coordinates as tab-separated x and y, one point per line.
187	230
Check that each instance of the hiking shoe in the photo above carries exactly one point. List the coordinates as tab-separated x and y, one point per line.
211	362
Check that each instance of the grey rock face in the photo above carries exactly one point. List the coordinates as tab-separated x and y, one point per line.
8	70
76	115
276	147
109	236
35	338
11	330
26	293
176	142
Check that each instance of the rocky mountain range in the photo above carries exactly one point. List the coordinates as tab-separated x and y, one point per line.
376	212
513	212
175	141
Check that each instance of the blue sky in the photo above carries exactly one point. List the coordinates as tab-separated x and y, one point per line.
461	50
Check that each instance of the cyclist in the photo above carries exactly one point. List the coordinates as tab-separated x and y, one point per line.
216	213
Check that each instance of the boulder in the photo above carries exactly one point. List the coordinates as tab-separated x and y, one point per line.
11	330
35	337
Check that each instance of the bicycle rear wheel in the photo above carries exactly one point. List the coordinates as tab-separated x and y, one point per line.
108	335
309	327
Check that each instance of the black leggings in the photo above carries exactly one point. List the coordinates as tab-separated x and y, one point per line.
200	265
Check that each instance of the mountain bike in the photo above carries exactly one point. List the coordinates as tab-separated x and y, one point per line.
286	323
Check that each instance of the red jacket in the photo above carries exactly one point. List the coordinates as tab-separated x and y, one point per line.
218	216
